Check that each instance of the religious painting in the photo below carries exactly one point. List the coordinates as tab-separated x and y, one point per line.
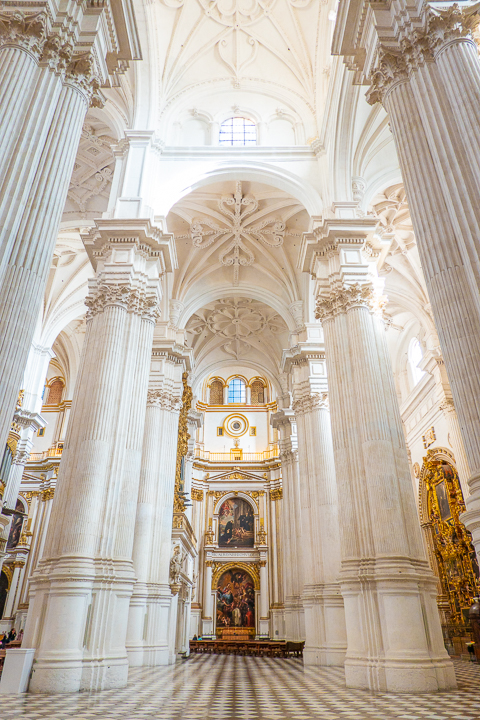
442	500
236	521
15	527
235	599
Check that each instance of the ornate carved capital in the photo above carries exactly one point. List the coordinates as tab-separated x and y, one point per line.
196	494
27	32
454	23
164	399
276	494
392	69
80	74
132	299
343	299
310	402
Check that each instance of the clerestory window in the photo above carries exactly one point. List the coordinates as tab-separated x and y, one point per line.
415	355
236	391
238	131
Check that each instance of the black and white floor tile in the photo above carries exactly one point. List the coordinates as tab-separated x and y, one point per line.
242	688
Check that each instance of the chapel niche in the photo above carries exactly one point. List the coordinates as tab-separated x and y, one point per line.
449	542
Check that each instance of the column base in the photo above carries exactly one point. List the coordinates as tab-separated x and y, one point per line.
326	640
149	625
294	618
74	676
395	641
400	677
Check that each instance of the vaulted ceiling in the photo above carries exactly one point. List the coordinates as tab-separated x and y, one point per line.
238	236
278	49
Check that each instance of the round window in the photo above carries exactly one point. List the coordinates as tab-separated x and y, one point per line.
235	425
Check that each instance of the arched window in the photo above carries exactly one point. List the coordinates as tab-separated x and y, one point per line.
55	392
238	131
415	355
236	391
216	393
258	393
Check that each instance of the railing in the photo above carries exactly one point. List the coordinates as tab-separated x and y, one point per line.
52	452
230	457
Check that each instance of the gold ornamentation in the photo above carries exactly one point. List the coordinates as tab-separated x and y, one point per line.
21	395
29	495
48	494
182	444
251	568
429	438
262	563
261	534
209	535
177	522
197	494
18	564
449	543
276	494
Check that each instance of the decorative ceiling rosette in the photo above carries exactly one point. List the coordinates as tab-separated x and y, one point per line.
238	230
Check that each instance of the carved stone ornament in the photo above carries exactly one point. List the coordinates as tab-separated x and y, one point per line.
196	494
309	403
164	399
276	494
453	23
80	73
341	300
130	298
391	70
27	32
236	230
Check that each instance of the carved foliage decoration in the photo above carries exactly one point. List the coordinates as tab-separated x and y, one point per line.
343	299
238	233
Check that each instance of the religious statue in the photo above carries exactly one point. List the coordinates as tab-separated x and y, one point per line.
176	564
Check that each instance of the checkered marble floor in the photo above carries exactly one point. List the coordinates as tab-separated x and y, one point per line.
217	687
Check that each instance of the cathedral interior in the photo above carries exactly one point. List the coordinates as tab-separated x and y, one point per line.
240	359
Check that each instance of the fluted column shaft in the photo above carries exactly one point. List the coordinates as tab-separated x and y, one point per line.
394	636
147	636
85	578
325	642
47	91
431	91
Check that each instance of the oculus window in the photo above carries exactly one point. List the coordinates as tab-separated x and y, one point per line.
238	131
236	391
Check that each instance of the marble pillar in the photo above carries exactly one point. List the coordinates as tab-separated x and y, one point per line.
147	635
394	638
291	532
33	192
325	636
81	588
430	86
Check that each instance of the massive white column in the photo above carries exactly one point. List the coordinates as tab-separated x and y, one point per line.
325	641
147	634
81	588
394	636
293	561
428	80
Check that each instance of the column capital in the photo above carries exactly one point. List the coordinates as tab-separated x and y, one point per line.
344	298
27	31
165	399
308	403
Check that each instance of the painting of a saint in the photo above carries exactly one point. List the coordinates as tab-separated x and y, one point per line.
442	500
236	520
15	527
235	599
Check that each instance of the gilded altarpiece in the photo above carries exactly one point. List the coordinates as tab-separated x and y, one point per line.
449	542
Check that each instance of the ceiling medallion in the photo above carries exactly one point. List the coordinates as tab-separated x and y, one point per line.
235	13
237	210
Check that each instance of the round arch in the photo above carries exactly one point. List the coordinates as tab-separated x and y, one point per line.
249	568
